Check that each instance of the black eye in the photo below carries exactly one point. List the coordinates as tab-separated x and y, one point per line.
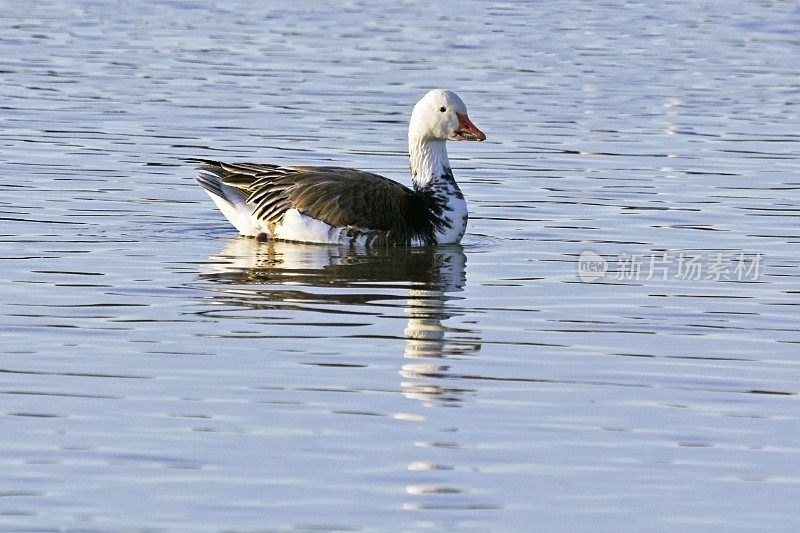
443	109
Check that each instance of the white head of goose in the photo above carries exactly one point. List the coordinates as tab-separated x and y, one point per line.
346	206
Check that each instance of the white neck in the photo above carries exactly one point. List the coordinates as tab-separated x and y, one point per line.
428	161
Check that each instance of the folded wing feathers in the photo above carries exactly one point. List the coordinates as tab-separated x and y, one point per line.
340	197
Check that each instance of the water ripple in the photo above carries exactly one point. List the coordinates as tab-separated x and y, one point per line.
485	386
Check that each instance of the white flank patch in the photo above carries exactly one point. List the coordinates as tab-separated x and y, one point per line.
299	227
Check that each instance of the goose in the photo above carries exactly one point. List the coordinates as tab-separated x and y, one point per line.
334	205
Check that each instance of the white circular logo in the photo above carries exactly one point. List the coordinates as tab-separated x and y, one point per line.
591	266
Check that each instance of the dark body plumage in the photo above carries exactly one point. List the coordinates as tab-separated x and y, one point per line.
372	209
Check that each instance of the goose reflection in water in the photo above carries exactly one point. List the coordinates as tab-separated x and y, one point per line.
266	274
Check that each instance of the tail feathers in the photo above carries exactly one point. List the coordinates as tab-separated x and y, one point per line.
210	182
231	202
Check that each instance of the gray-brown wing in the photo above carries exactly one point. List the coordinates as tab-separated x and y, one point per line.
341	197
346	197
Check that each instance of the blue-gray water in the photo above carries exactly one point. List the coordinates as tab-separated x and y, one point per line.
159	373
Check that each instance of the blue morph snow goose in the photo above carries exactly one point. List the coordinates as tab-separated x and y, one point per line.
348	206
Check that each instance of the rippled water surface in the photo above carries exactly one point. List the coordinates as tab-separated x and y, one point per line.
614	347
